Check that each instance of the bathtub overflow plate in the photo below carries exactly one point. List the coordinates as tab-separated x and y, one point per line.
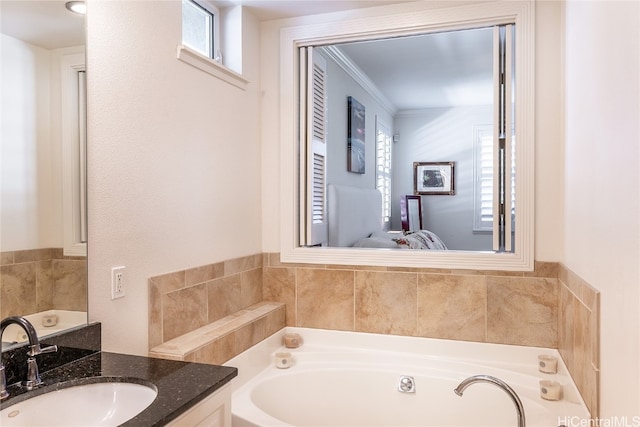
407	384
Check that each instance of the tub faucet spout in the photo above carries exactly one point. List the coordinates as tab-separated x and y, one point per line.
499	383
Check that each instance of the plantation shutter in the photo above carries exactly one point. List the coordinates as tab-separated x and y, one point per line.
314	230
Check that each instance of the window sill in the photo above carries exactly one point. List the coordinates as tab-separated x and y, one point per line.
212	67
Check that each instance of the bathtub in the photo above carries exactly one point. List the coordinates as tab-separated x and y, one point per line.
352	379
45	323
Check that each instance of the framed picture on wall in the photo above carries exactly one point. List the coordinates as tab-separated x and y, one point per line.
434	178
355	136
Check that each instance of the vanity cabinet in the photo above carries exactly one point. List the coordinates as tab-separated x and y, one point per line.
213	411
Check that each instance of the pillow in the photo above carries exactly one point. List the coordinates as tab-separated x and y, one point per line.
375	242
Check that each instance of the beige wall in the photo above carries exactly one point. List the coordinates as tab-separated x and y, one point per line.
601	213
174	160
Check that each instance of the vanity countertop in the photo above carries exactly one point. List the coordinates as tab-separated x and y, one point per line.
180	384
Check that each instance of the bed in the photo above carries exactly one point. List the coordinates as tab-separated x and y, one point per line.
354	217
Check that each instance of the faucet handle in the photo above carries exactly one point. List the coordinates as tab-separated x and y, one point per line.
3	383
36	350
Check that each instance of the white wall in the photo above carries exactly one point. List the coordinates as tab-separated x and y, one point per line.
340	85
602	216
442	135
174	160
31	182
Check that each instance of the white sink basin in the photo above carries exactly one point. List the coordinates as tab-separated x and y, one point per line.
100	404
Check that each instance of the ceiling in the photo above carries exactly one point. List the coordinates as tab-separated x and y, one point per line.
436	70
47	24
277	9
431	71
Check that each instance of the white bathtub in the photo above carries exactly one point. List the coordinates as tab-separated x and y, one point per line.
45	323
351	379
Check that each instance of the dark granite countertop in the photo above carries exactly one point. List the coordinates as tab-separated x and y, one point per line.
180	385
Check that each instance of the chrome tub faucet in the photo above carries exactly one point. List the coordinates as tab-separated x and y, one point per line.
500	384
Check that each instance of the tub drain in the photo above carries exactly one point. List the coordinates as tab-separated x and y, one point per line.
407	384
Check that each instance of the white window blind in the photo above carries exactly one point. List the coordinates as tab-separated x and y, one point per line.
383	170
484	178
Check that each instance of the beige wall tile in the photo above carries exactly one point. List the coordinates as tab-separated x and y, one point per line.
249	335
223	297
6	258
217	352
69	285
522	311
169	282
565	324
18	289
452	307
183	311
275	321
239	265
250	287
325	299
581	346
279	285
155	316
594	332
205	273
544	269
44	285
386	302
579	338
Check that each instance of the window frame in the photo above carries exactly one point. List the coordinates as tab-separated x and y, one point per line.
214	34
404	22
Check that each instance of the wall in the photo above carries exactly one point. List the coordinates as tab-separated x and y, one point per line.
340	85
601	212
442	135
174	160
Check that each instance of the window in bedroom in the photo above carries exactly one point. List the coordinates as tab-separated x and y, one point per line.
383	170
200	28
484	183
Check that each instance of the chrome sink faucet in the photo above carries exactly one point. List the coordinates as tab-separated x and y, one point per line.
33	375
499	383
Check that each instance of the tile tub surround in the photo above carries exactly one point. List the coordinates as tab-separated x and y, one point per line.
222	302
223	339
549	307
579	335
484	306
57	281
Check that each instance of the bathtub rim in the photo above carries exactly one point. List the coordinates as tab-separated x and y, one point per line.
259	359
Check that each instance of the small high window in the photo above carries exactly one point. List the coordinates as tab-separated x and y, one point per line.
200	28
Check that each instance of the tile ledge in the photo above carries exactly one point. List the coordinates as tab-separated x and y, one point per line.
177	348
